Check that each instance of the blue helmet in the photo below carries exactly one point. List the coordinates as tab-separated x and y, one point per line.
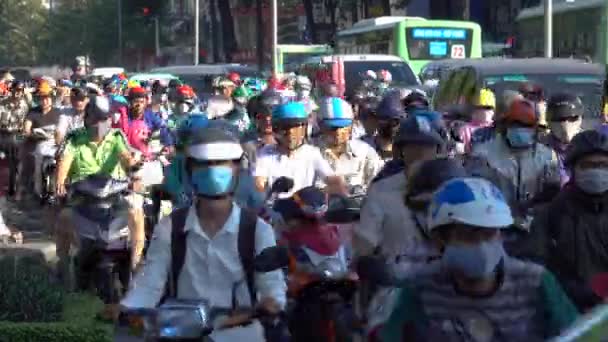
419	129
194	123
290	113
335	112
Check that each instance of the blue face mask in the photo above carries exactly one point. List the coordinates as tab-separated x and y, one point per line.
475	261
212	180
519	137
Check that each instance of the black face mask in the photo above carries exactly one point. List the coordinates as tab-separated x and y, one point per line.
387	130
415	205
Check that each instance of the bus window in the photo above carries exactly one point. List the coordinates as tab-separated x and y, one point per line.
438	43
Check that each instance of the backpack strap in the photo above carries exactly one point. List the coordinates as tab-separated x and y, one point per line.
246	247
178	247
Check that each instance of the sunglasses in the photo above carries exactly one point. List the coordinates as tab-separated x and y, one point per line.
567	119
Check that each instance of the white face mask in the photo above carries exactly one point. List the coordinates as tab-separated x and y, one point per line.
483	115
183	108
565	131
304	94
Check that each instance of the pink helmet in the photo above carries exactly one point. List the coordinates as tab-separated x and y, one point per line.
385	76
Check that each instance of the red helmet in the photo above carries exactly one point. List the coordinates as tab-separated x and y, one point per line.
521	111
185	93
137	92
234	77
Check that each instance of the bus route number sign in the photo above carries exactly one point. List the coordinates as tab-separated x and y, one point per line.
458	51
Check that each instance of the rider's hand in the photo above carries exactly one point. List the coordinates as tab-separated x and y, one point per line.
269	305
60	190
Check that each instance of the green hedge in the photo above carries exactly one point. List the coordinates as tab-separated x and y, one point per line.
78	324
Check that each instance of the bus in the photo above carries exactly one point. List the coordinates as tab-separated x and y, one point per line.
579	30
416	40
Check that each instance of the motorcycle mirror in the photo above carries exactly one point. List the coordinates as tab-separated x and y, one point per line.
343	210
375	270
282	184
271	258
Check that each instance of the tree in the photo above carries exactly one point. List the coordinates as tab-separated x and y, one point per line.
24	28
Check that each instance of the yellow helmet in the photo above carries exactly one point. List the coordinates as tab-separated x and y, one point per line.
133	84
486	98
44	89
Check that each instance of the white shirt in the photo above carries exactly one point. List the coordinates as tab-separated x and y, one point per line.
358	165
69	121
304	166
211	268
386	221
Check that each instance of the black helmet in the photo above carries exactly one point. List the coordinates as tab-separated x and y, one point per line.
417	99
429	175
585	143
307	203
390	107
563	106
420	129
79	93
98	109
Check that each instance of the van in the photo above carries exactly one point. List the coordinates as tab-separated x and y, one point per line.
462	84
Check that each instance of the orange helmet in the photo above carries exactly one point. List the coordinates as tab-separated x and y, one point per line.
521	111
44	89
234	77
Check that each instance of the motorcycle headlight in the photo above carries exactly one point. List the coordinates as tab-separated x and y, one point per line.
331	269
184	321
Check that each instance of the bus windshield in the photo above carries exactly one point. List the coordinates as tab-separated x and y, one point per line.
428	43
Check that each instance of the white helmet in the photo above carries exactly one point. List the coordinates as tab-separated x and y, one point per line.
370	75
470	201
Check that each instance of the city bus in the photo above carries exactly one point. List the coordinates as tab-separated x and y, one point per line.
579	30
416	40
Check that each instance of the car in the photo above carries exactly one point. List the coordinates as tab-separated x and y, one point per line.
463	82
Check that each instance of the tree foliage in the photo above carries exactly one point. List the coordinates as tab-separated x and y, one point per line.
24	28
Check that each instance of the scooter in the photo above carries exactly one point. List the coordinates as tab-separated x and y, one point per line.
9	150
100	218
196	320
321	288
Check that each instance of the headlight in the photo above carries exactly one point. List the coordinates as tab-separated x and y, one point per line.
331	269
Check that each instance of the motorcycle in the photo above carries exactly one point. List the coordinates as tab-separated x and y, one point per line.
100	218
47	150
321	287
9	150
197	320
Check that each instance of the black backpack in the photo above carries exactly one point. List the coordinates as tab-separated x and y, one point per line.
246	248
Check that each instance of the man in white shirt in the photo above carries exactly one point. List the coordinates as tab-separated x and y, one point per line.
72	118
212	264
291	157
354	160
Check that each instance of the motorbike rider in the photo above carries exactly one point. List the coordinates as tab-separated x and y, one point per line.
388	115
384	81
184	106
40	120
535	94
565	117
424	179
415	100
567	234
238	116
350	158
13	110
525	170
235	78
292	157
384	213
97	149
222	103
213	223
130	124
476	291
481	115
63	91
72	118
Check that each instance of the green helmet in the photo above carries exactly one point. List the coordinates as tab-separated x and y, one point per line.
241	92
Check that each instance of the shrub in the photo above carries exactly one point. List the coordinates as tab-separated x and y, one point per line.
28	292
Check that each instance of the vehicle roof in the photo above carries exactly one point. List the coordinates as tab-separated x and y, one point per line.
448	62
204	69
498	66
560	7
354	58
107	70
380	23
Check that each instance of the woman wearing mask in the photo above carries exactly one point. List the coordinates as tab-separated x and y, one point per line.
565	117
568	235
476	291
388	115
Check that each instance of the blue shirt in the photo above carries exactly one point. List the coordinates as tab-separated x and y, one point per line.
156	123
